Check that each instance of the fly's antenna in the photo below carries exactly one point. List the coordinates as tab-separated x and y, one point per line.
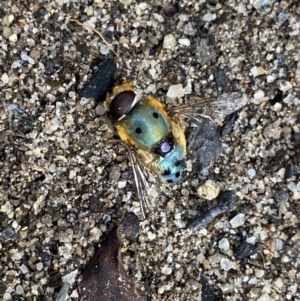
86	26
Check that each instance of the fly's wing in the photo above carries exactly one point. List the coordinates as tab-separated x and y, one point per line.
147	184
203	136
217	108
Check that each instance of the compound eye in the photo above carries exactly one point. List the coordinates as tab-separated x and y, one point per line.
121	104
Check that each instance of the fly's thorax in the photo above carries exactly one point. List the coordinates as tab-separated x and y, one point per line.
145	125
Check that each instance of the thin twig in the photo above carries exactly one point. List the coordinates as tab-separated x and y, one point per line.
86	26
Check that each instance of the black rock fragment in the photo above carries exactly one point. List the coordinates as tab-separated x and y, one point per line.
221	78
206	142
289	171
281	196
170	9
244	250
228	124
208	293
226	202
100	82
130	227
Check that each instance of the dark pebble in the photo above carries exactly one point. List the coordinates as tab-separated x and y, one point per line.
170	9
130	227
281	196
204	140
2	287
49	66
8	234
289	171
221	78
244	250
100	82
228	123
281	59
208	293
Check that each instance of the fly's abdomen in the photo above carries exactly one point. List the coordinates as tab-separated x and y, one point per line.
172	165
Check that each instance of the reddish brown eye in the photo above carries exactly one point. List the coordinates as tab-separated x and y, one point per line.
121	104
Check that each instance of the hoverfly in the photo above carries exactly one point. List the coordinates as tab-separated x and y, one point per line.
155	136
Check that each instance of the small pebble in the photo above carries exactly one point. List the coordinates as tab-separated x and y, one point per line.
238	220
221	78
169	41
24	269
6	33
292	186
180	223
5	78
161	289
259	273
27	58
70	277
19	290
185	42
282	17
278	107
209	17
189	29
259	94
126	2
95	234
209	191
170	9
224	244
104	50
8	234
265	297
39	266
251	173
13	38
175	91
122	184
257	71
284	85
151	236
278	244
227	264
166	270
281	196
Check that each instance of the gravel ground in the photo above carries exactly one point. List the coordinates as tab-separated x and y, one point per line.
66	180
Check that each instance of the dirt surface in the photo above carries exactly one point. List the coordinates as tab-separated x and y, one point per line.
65	178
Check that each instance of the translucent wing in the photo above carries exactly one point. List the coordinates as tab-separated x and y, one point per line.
203	136
217	108
147	184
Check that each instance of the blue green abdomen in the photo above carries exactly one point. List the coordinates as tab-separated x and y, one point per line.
172	164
